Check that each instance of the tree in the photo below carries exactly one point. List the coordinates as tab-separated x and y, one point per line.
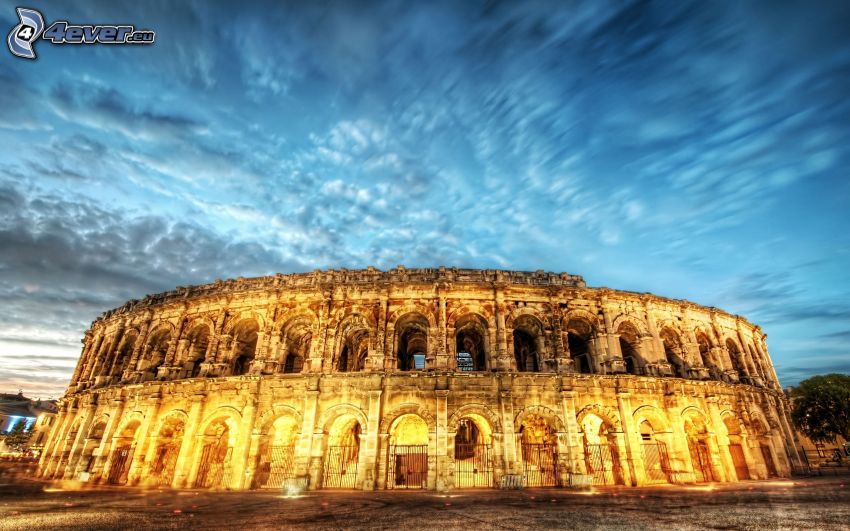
821	407
18	438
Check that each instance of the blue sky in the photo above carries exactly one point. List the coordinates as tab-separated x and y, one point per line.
694	150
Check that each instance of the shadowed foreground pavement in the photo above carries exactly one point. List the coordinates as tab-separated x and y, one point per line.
818	503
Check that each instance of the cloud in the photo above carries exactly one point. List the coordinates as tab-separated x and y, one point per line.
106	109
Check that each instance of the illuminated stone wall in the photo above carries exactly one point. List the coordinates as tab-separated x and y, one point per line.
435	378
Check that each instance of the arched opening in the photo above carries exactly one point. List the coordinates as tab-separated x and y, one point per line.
125	353
601	454
473	453
538	442
706	356
630	347
757	365
579	335
412	342
656	459
276	457
735	359
674	352
471	344
528	344
244	346
122	455
354	348
214	468
155	352
736	447
697	435
761	431
168	443
342	454
407	466
196	350
296	340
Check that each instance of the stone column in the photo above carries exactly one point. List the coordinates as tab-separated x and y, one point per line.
725	458
87	343
680	454
369	442
560	352
105	447
631	440
61	441
657	352
442	462
242	471
507	411
185	471
502	361
144	440
442	361
88	413
318	351
614	364
575	450
310	444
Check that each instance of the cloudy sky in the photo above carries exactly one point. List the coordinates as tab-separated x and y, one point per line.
696	151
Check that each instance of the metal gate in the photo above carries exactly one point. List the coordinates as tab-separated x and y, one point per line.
341	467
277	464
164	464
407	466
603	463
540	463
701	461
119	468
214	469
473	467
768	461
741	468
655	462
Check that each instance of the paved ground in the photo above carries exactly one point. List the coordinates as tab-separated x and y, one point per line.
819	503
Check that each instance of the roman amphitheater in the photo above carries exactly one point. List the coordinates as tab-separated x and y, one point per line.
439	378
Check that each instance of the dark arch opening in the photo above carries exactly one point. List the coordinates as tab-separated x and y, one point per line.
525	352
580	353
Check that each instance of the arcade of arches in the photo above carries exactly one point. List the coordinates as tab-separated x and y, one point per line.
419	379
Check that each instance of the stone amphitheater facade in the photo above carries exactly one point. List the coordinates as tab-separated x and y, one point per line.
419	378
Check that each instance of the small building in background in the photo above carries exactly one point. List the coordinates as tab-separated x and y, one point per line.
36	417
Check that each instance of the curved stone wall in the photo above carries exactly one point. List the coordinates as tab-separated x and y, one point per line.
421	378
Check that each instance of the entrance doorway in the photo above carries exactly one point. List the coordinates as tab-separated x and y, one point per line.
538	442
407	458
473	462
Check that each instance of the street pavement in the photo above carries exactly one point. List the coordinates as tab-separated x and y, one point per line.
808	503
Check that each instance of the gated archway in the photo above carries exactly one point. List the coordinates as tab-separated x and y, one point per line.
122	455
656	459
276	457
601	453
473	452
168	443
342	453
736	446
407	459
697	435
214	466
538	443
